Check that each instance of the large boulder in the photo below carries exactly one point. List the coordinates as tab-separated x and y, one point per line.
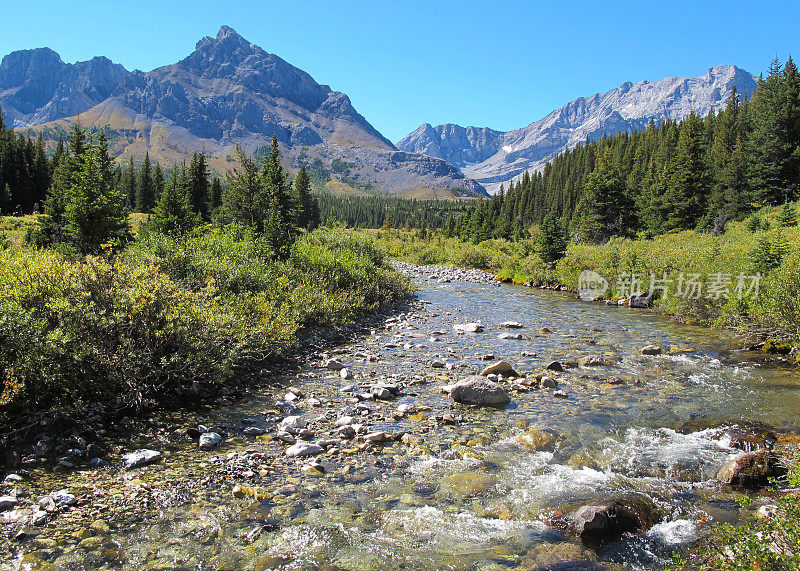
607	520
480	391
751	469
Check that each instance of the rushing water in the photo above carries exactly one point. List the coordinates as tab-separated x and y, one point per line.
465	496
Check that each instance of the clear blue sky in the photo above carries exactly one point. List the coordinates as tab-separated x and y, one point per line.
501	64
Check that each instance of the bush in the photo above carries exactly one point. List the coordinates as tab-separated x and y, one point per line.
170	312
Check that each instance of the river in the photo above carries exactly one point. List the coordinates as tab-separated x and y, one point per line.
461	489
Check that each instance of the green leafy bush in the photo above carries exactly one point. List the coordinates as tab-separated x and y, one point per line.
170	312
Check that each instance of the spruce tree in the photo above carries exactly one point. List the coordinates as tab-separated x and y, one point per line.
245	199
199	185
550	242
95	212
307	206
787	216
685	198
173	214
145	189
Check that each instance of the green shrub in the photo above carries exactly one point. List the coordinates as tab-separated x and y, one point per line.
170	311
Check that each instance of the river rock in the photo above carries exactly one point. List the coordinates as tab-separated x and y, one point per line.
751	469
140	457
7	503
640	301
510	324
480	391
334	365
501	367
549	383
292	424
304	449
555	366
506	336
651	350
596	361
209	440
346	374
537	439
468	327
254	431
607	520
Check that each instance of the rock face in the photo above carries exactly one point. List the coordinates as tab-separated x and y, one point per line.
608	519
480	391
751	469
227	92
494	157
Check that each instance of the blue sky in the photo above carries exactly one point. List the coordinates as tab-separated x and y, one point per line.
500	64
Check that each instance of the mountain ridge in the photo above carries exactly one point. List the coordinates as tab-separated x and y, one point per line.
227	92
626	108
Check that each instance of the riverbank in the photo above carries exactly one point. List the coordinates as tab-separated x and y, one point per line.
171	321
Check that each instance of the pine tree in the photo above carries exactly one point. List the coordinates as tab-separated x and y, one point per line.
280	225
95	212
787	216
307	206
245	199
216	193
604	210
145	189
550	242
173	214
199	185
685	198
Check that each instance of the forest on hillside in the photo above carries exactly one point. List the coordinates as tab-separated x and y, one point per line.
696	173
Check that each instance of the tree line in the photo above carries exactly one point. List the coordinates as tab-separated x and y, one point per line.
87	203
696	173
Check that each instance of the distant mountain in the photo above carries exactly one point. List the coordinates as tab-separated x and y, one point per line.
227	92
494	157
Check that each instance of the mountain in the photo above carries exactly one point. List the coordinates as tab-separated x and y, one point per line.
495	157
227	92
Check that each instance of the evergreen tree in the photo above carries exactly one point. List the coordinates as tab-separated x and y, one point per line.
216	193
95	212
307	207
604	210
173	214
199	185
245	199
145	189
787	216
550	242
280	224
685	198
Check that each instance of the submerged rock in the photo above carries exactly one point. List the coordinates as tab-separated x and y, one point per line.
468	327
751	469
651	350
480	391
140	457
